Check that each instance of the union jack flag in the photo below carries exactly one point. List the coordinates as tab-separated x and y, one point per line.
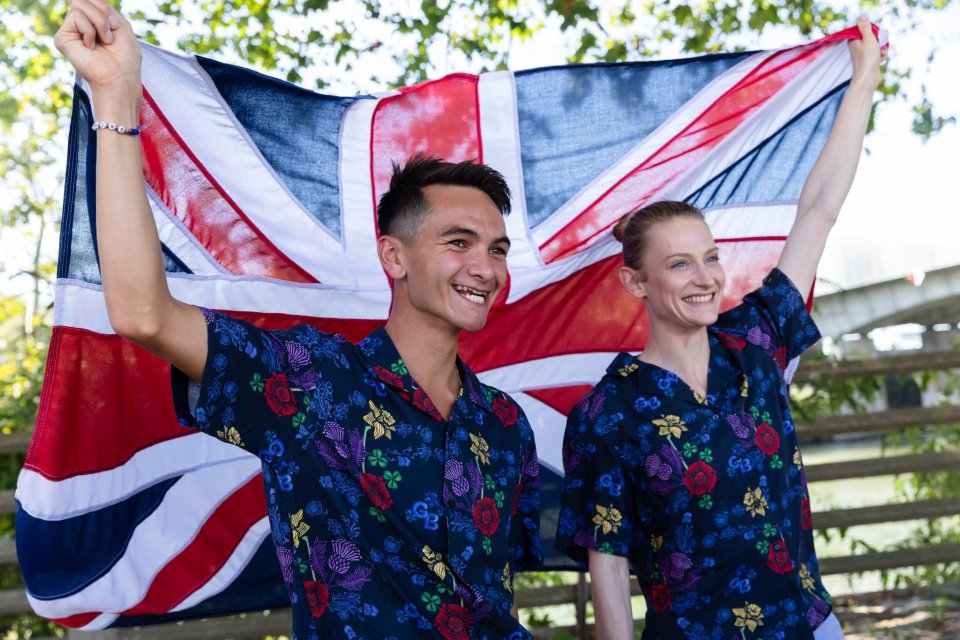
264	196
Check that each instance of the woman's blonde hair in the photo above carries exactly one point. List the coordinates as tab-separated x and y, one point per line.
634	228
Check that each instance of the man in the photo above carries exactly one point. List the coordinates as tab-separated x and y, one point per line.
402	493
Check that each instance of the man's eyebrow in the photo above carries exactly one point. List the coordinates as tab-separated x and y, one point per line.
466	231
460	231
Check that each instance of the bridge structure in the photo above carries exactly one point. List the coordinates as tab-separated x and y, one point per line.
933	299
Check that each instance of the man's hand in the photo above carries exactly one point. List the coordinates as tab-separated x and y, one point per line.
101	46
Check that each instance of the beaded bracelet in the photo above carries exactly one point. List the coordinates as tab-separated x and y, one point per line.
119	128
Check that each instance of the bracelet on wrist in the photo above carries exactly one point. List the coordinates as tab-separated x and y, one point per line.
119	128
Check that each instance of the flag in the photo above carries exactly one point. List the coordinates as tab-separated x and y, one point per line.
264	197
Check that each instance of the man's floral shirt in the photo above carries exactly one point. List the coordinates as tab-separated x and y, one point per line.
388	521
706	496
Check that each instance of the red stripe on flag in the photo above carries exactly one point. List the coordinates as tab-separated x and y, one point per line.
76	621
683	151
191	193
216	541
104	398
590	311
439	118
560	399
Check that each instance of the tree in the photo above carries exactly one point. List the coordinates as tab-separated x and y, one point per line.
361	45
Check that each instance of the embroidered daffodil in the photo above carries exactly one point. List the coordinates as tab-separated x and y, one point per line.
744	387
626	370
607	518
796	458
231	435
754	501
656	542
701	399
381	421
749	617
671	426
507	578
435	561
298	527
480	448
805	578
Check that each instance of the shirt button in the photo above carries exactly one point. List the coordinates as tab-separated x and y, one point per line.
716	416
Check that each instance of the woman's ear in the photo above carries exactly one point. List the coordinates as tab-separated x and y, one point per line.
632	281
390	251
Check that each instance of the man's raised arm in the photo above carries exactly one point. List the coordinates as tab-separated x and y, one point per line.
102	47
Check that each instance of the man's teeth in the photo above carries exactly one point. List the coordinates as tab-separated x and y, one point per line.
706	297
477	297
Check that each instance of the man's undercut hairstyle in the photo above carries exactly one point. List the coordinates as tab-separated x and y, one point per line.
403	206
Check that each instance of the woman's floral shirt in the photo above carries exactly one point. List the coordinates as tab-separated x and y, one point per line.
388	521
705	496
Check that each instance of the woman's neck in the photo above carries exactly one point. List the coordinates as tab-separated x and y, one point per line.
686	354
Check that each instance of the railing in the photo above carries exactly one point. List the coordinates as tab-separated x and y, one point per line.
278	622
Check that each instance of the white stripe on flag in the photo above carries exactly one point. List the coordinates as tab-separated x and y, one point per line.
232	568
227	153
53	500
548	427
158	539
672	127
81	305
500	133
180	241
357	219
751	221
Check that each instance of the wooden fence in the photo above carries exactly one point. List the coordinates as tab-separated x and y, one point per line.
278	622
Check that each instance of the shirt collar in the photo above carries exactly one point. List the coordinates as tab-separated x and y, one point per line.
388	366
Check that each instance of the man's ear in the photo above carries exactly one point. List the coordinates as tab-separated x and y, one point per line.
632	280
391	252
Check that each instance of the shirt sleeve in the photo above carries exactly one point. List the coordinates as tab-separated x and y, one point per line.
255	383
596	500
774	317
526	552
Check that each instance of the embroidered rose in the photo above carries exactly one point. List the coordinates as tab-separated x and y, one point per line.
279	396
767	439
423	402
806	517
700	478
778	558
731	341
506	411
389	377
660	597
376	490
453	622
318	597
486	516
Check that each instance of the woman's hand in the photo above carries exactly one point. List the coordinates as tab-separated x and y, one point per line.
866	55
101	46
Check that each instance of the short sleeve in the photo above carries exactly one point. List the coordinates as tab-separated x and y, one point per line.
255	382
526	552
596	501
774	317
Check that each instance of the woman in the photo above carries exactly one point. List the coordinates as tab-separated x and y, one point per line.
682	463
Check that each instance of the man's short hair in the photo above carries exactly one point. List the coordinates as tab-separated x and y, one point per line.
403	206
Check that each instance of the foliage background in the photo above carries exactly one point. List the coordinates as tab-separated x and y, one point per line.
348	46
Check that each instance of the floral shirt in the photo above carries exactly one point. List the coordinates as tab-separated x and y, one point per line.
388	521
706	496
